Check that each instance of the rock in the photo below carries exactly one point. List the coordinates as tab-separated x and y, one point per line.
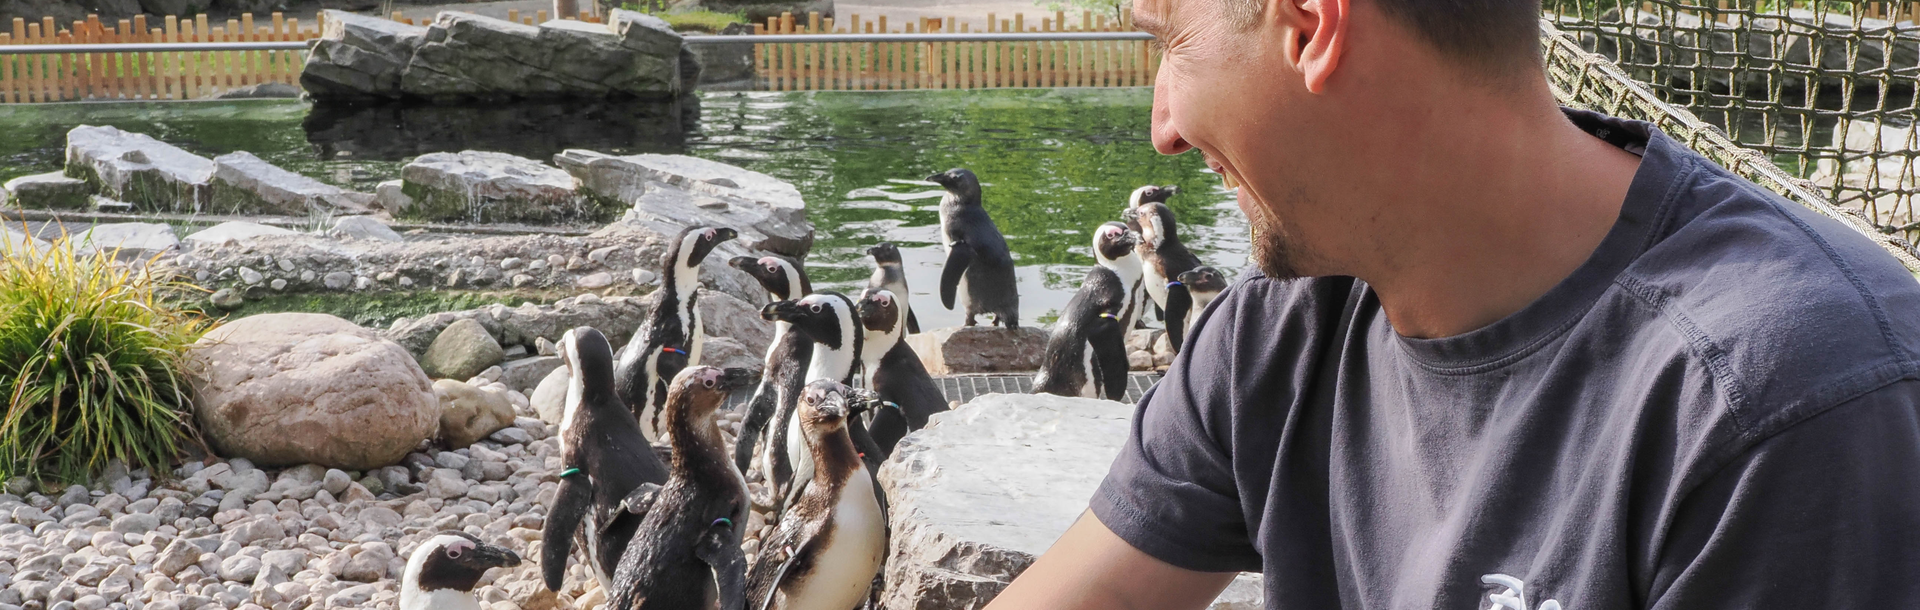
1140	360
296	388
336	481
446	483
525	374
389	196
468	414
260	91
178	555
616	317
359	57
474	57
967	510
278	284
128	241
337	280
462	350
20	242
769	213
49	191
239	568
364	227
352	597
234	231
135	523
724	315
549	399
479	186
594	281
135	168
979	349
227	299
244	184
724	352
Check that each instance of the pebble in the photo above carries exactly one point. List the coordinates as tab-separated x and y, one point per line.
278	284
250	276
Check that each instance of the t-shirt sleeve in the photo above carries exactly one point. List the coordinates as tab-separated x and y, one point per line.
1171	491
1825	514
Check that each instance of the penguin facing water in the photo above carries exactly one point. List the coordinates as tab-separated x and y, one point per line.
826	549
787	355
671	337
1163	257
603	457
890	274
979	268
893	371
443	570
1086	353
686	553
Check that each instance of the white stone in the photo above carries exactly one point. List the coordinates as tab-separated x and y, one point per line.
52	190
244	184
138	169
364	227
234	231
128	241
481	186
667	192
387	196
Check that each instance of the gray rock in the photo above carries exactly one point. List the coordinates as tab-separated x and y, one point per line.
336	482
135	168
594	281
390	196
30	516
239	568
468	414
278	284
549	399
136	523
359	57
475	57
244	184
352	597
248	275
968	512
49	191
979	349
480	186
769	213
525	374
127	241
260	91
462	350
21	242
364	227
178	555
234	231
507	436
337	280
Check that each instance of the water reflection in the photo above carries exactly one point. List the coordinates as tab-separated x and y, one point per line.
395	132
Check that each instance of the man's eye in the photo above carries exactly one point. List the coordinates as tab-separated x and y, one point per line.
1158	47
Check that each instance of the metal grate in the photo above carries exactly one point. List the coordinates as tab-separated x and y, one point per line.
964	388
1826	92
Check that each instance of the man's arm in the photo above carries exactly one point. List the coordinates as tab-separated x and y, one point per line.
1090	567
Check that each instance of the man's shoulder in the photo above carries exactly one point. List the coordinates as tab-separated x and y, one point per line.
1792	311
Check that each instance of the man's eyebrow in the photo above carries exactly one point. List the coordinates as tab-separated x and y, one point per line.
1148	22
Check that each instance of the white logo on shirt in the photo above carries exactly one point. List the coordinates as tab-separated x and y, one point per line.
1515	595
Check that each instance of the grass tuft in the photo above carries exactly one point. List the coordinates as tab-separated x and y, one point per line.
92	360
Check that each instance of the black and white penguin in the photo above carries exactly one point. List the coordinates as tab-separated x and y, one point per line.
443	570
979	268
893	371
686	553
671	337
603	457
1126	265
890	274
1205	284
1163	257
1087	352
787	356
826	550
829	320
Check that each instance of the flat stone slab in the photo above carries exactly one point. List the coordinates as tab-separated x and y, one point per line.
985	488
979	349
128	241
244	184
671	191
235	231
138	169
49	191
482	186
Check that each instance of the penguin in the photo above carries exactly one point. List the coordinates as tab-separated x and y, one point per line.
1086	353
826	550
1162	256
978	263
890	274
443	570
1204	283
1126	265
603	457
785	365
686	553
670	338
828	319
892	370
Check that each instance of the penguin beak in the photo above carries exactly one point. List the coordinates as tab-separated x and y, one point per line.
742	263
1130	214
724	234
784	311
1171	190
1187	277
487	556
940	179
736	378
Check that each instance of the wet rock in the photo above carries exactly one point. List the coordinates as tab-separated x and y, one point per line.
359	57
979	349
462	350
138	169
234	231
468	414
244	184
364	227
299	388
129	241
49	191
480	186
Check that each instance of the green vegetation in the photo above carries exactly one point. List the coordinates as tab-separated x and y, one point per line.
690	21
93	360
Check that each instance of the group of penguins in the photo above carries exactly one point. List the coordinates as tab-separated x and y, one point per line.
840	389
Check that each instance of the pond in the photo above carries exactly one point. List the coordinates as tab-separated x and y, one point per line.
1055	163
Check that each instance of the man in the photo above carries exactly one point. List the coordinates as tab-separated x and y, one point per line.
1496	355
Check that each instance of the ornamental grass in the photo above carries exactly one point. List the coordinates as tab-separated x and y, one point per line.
92	357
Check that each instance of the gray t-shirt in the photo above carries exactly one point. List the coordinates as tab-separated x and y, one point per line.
1719	409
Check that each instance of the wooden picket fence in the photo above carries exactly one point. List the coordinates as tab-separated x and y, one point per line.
146	76
952	65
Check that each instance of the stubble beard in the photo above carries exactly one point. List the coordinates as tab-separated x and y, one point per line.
1274	251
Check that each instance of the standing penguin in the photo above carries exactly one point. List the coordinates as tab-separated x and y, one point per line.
828	547
1087	353
603	457
890	274
1204	283
443	570
671	337
907	393
979	267
830	321
1163	257
786	357
686	554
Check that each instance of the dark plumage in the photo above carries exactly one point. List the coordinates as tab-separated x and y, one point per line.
979	269
670	338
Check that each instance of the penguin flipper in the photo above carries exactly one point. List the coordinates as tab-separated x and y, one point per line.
570	506
958	258
779	553
759	411
720	549
913	322
1179	301
640	500
1109	344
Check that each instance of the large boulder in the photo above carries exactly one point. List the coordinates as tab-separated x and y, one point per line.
137	169
468	414
666	192
359	57
127	241
49	191
480	186
244	184
462	350
968	509
470	56
979	349
297	388
723	315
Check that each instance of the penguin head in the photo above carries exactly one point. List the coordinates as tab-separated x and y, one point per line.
776	274
1148	194
697	392
589	359
879	311
452	561
1203	279
822	317
885	253
1113	241
823	407
694	243
959	181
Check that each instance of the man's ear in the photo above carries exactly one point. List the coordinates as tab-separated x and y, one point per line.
1316	34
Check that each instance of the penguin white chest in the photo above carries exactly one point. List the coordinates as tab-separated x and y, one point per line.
1088	388
1156	285
844	569
695	340
440	599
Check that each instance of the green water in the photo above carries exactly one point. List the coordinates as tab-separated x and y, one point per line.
1054	164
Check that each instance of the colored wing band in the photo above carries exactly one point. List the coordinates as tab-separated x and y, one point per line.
673	350
721	520
570	472
1173	283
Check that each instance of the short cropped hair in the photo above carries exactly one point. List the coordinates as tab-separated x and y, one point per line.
1497	37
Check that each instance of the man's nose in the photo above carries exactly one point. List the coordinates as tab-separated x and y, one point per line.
1166	135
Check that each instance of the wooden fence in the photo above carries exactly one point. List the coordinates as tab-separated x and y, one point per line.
952	65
